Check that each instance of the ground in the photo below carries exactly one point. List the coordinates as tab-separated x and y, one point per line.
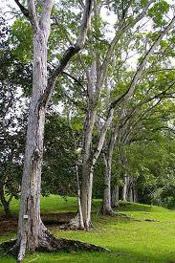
147	235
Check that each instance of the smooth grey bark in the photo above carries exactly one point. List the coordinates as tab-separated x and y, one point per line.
115	195
107	205
80	214
88	172
135	192
131	198
125	193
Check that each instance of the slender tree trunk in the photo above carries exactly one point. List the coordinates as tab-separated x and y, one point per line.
87	171
115	196
135	193
107	206
130	195
87	166
5	203
125	188
80	215
86	198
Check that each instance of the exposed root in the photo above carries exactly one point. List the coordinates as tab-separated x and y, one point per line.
57	219
150	220
49	243
135	219
108	212
9	247
73	224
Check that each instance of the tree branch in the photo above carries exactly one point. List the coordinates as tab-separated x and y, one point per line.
121	30
22	8
45	17
69	53
72	77
103	135
147	100
129	92
32	14
138	74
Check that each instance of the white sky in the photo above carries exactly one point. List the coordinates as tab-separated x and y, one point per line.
5	3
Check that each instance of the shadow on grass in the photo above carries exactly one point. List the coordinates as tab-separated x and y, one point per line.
126	206
116	256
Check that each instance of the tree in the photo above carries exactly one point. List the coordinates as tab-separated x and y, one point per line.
96	77
32	234
125	101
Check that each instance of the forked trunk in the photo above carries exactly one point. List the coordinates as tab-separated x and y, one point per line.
87	169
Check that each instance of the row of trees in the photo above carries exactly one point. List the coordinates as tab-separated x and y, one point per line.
110	111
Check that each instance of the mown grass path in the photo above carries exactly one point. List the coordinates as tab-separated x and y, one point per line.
130	241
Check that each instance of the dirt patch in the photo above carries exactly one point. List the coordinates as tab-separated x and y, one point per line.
8	225
57	219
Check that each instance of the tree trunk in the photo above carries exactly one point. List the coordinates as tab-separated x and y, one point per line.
80	214
86	197
135	193
32	234
5	203
106	208
87	167
125	188
115	196
30	227
131	200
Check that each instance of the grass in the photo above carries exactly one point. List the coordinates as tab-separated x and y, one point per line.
130	241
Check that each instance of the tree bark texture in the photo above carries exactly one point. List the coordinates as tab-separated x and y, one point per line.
125	188
115	195
32	234
107	206
89	159
30	226
87	166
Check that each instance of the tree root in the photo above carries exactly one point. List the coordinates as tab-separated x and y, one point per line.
108	212
73	224
49	243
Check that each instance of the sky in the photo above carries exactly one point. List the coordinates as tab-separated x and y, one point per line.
5	3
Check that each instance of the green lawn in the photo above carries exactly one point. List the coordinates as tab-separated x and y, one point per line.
129	241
